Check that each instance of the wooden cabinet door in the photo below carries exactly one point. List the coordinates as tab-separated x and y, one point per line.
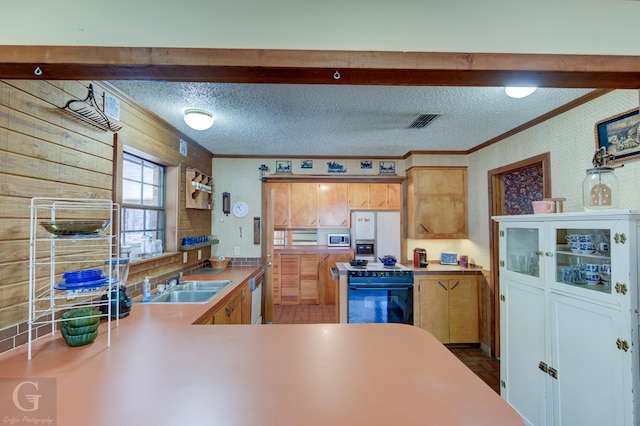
437	202
309	279
289	279
378	196
230	313
434	307
394	195
329	286
450	308
281	204
304	205
333	205
359	195
275	278
245	304
464	310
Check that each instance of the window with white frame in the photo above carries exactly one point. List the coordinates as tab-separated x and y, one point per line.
143	207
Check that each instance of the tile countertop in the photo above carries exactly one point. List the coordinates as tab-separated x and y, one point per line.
162	370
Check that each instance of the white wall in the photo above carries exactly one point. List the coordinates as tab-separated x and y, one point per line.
500	26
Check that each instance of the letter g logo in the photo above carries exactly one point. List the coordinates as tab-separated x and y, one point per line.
33	398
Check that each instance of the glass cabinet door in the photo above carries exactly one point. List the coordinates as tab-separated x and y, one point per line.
522	250
583	258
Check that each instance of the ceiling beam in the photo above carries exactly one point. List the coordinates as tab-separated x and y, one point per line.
319	67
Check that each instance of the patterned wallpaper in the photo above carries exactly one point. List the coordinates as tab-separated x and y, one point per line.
521	188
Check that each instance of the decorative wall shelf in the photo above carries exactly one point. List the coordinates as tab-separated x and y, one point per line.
199	245
199	190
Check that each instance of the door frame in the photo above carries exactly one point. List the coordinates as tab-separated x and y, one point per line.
496	208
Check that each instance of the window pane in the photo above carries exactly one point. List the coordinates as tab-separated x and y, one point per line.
150	196
131	192
133	219
149	175
151	219
131	169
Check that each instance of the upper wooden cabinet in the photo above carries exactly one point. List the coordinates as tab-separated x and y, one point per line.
328	204
281	204
359	195
437	202
375	196
333	205
304	205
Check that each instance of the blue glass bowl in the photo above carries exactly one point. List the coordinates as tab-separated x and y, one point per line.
82	276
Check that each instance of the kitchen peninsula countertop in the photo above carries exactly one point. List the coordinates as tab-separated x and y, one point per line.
162	370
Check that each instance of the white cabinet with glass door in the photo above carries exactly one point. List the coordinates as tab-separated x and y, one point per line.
569	317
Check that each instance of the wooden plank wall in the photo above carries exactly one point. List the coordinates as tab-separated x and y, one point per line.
45	152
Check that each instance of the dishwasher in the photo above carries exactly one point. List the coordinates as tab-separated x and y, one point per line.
256	284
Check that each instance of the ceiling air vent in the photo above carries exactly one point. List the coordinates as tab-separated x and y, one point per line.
423	120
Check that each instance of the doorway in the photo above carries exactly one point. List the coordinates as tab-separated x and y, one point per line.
511	190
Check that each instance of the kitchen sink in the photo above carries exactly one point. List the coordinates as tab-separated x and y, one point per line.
184	296
208	285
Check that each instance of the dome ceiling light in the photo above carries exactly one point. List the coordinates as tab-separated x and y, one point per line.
519	92
198	119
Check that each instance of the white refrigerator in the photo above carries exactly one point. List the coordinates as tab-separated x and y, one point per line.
382	227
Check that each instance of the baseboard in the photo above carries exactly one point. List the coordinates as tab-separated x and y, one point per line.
485	349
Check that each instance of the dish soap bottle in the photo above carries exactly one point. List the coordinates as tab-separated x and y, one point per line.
146	290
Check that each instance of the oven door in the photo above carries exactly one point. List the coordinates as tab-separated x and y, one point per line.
380	303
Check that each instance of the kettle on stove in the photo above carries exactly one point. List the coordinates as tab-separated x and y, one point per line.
420	258
120	302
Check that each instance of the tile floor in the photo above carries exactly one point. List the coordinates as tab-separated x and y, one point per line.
487	368
304	314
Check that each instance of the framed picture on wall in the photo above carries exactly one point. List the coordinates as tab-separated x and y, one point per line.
283	167
620	135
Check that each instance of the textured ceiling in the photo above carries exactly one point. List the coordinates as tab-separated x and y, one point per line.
331	120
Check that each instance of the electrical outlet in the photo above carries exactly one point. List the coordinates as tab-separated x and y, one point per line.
184	257
199	254
236	251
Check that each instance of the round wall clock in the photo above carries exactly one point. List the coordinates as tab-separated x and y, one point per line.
240	209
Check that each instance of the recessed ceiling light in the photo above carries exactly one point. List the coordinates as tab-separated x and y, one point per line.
519	92
198	119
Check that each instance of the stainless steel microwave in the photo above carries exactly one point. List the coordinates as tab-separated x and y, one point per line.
339	240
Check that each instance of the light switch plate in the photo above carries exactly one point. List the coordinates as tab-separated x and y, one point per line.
199	254
184	257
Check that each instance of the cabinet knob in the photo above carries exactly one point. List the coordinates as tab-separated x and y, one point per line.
620	238
502	263
548	254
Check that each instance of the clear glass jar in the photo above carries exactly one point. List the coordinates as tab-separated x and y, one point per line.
600	189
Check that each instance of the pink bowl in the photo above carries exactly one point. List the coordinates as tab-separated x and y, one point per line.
541	207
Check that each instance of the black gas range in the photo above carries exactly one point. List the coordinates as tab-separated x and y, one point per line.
380	294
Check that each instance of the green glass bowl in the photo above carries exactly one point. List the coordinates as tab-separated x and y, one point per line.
76	331
79	340
81	317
